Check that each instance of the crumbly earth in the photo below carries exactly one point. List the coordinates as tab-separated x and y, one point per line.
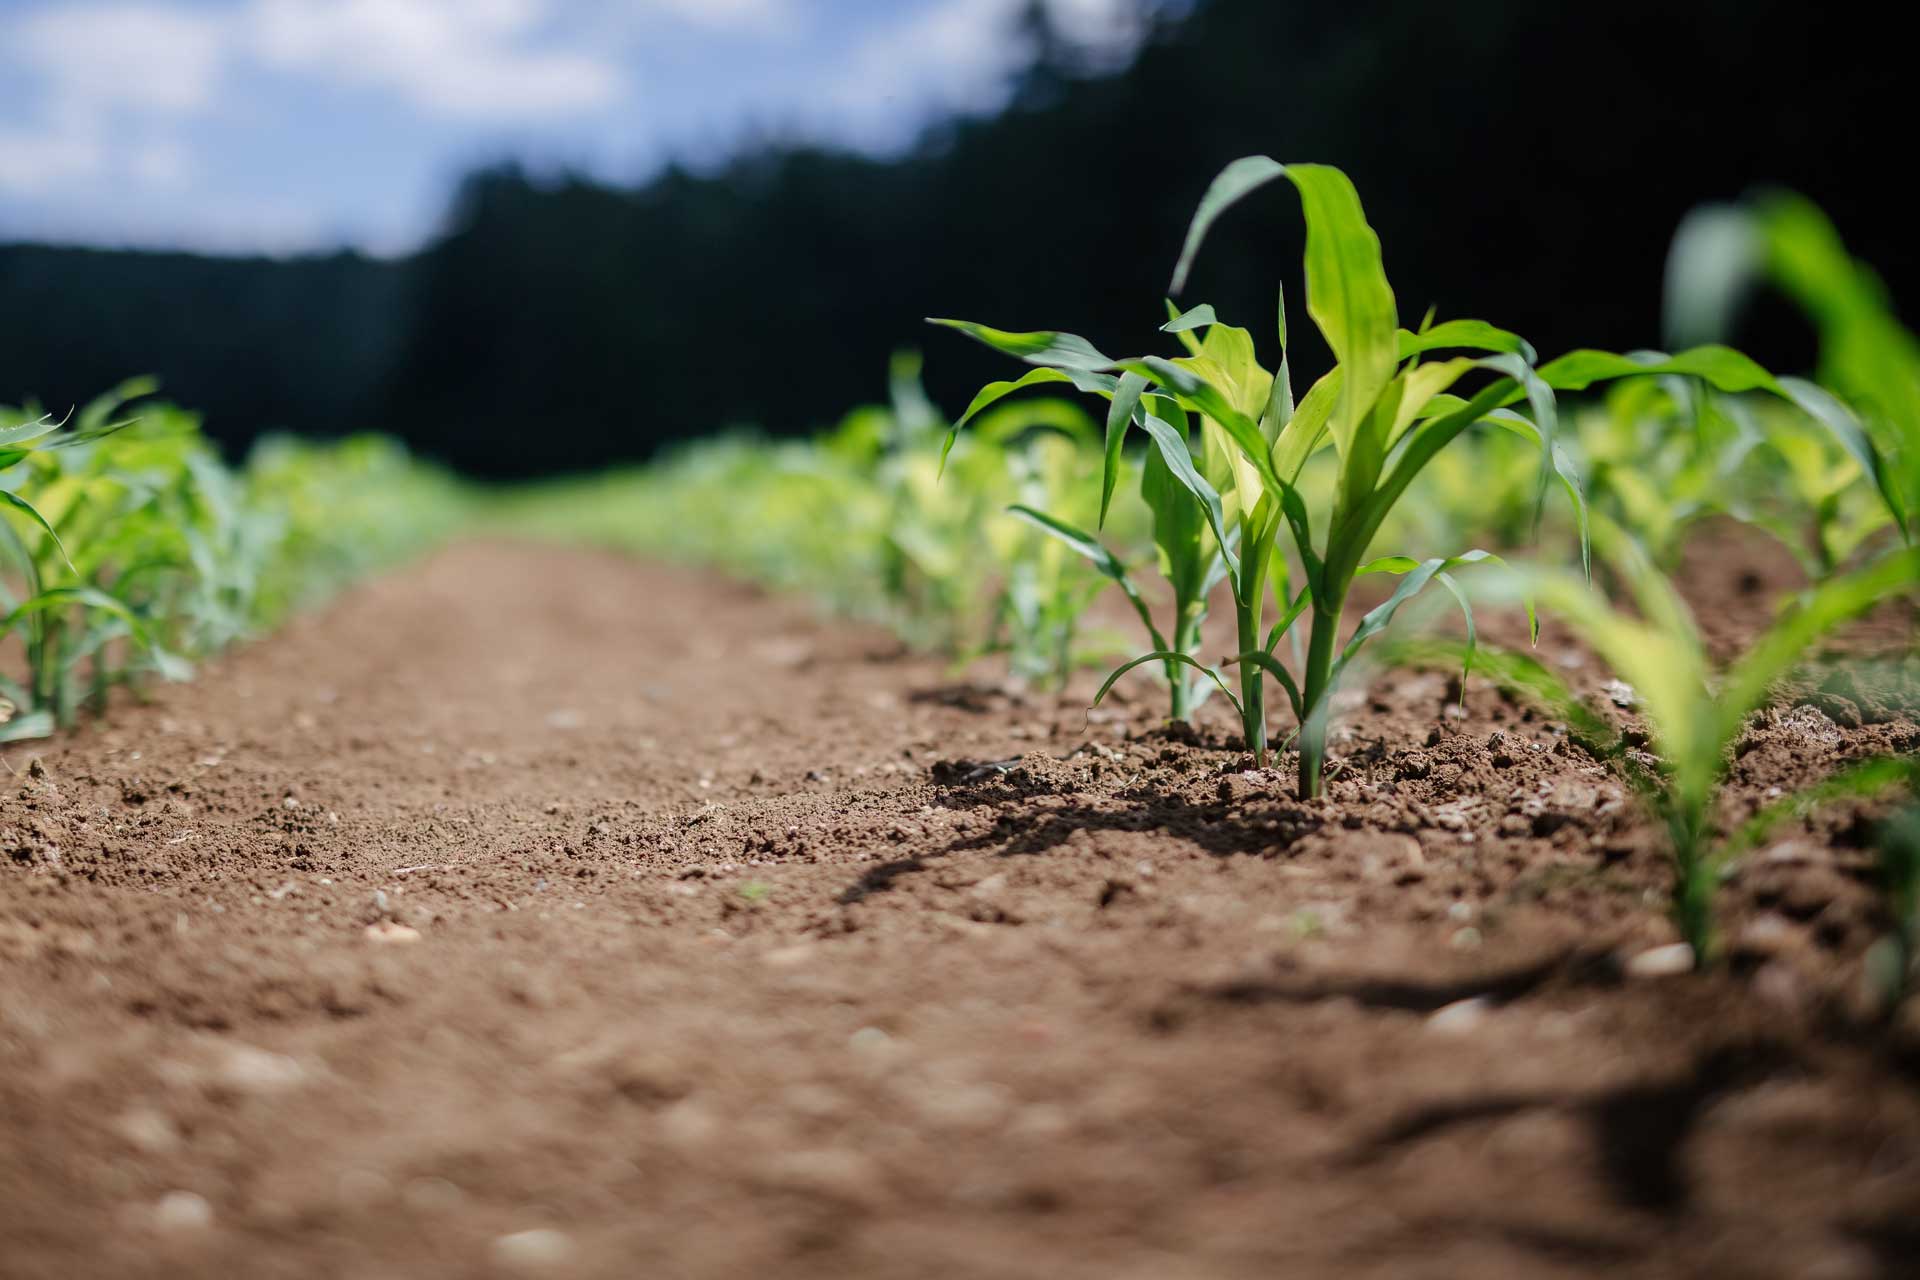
540	912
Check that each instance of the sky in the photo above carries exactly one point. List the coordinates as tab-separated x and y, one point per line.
286	126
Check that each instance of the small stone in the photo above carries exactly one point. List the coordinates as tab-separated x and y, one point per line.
1662	962
872	1043
1620	693
388	932
149	1130
541	1249
790	957
1467	939
246	1069
1461	1016
182	1211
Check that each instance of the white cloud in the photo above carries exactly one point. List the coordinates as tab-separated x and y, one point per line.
33	161
472	59
758	16
146	57
957	54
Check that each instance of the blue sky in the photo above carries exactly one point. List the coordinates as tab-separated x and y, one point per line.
290	125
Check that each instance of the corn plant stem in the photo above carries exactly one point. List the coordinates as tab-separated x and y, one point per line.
1253	712
1249	601
1186	639
1694	882
1317	694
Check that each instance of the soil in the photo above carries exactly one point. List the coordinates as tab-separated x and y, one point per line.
542	912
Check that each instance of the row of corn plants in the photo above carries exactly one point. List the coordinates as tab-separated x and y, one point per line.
1289	498
128	547
1211	473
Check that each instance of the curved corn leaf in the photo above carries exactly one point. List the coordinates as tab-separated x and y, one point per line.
1168	655
1173	450
1264	659
1464	335
1102	559
1042	347
20	504
1236	181
1186	321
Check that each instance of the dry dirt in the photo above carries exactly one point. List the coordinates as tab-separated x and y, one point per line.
532	912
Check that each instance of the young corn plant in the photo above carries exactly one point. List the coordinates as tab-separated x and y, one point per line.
1384	409
1697	712
1867	358
1191	566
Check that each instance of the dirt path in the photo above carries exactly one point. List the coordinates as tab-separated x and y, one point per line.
745	947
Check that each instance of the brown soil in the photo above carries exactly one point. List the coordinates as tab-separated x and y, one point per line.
746	946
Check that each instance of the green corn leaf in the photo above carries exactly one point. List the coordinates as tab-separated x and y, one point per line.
994	392
1173	451
1103	560
20	504
1464	335
1347	291
1287	618
1120	414
1415	576
1187	321
1264	659
1203	397
27	725
1446	580
1042	347
33	429
1236	181
1168	655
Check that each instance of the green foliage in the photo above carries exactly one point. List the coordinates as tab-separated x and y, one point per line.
1696	711
127	547
1867	357
1384	410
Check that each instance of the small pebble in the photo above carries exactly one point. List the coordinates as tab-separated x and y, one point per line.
1662	962
541	1249
1460	1016
387	932
182	1211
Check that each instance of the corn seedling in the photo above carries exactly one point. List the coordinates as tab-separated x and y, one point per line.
1384	410
1696	712
127	546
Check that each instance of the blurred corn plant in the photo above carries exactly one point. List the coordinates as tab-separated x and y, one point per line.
1868	359
860	519
1892	961
1696	711
127	545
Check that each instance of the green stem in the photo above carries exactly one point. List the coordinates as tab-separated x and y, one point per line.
1186	639
1694	884
1317	693
1253	711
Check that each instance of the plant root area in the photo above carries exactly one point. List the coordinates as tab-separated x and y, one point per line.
533	911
